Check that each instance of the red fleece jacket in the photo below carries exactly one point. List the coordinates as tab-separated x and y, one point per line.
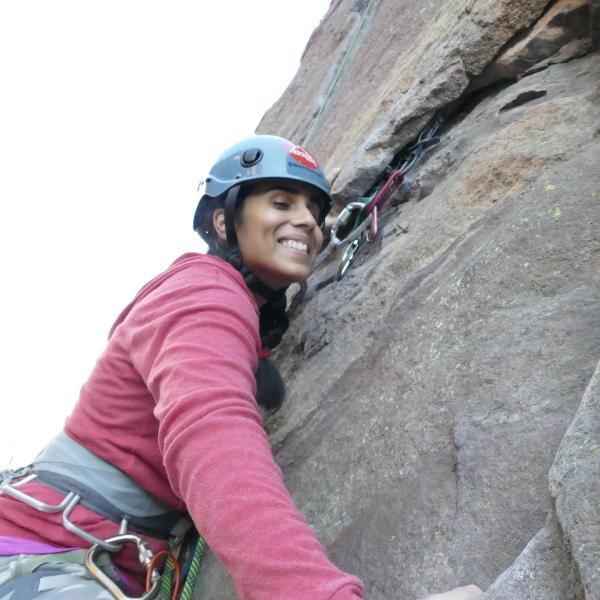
171	403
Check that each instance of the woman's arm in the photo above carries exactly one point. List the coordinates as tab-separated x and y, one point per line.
198	354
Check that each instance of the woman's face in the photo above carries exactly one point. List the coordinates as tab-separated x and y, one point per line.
278	234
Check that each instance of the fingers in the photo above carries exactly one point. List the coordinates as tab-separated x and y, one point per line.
467	592
471	592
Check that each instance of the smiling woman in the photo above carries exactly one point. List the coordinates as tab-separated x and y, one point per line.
168	426
278	233
284	198
171	412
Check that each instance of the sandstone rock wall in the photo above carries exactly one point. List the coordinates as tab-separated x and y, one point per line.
435	432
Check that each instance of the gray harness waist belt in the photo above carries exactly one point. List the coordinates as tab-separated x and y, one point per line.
84	477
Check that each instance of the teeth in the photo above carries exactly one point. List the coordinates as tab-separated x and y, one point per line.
294	244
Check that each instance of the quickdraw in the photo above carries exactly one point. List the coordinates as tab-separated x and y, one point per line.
165	586
146	559
358	221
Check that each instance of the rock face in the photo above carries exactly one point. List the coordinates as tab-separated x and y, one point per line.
378	70
435	432
562	33
562	559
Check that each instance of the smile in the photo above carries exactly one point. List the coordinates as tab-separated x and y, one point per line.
295	245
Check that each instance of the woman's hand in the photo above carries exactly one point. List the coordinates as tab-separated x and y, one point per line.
467	592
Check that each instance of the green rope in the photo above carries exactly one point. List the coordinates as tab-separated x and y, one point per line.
337	75
167	576
192	576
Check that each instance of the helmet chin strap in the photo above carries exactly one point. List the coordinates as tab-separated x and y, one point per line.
230	203
234	257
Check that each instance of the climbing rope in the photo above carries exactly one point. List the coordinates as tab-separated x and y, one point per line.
189	572
336	77
171	563
176	569
196	562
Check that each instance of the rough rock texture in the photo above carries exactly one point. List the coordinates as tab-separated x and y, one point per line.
431	389
392	63
561	34
575	487
541	572
562	561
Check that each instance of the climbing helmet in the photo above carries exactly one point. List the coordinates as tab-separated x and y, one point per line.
255	159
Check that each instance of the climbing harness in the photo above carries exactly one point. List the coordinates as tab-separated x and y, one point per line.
76	473
358	221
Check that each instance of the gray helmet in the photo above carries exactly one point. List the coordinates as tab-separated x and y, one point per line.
261	157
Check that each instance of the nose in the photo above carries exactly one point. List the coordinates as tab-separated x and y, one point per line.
304	216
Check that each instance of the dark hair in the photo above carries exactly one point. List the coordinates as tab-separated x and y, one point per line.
206	229
273	319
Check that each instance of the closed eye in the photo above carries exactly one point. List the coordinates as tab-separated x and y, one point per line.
281	205
281	201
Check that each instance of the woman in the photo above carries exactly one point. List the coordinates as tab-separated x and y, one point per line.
168	422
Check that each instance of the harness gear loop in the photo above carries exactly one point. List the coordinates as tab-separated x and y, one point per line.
66	506
70	526
145	556
11	489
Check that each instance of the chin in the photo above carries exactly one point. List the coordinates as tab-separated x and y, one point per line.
284	279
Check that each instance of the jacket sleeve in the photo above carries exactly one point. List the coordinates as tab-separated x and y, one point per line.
197	354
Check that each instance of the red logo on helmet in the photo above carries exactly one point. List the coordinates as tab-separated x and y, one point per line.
302	156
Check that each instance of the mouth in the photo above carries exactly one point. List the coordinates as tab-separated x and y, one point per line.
295	245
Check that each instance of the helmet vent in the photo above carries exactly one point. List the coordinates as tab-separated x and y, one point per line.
251	157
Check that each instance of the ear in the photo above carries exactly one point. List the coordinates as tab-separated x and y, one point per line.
218	220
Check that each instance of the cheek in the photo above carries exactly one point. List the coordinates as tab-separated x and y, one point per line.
260	222
256	236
